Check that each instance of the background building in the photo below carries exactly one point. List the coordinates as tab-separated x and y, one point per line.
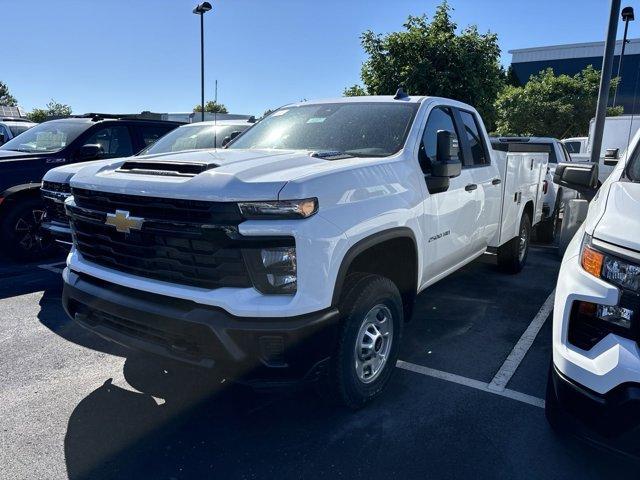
572	58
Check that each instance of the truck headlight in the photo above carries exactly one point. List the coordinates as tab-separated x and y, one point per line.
615	270
273	270
279	209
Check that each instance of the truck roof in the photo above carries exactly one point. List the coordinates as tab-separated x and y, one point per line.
363	99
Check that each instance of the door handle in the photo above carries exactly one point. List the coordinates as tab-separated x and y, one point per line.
471	187
496	181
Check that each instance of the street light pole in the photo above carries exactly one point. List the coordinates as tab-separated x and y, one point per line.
627	16
605	81
201	9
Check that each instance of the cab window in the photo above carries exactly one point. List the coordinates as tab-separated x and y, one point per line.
440	118
474	138
114	141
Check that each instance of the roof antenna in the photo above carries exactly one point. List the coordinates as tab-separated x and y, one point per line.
400	93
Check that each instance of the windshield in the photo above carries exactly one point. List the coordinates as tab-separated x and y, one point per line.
46	137
193	137
633	170
355	128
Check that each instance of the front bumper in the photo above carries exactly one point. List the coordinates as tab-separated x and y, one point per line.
269	349
611	420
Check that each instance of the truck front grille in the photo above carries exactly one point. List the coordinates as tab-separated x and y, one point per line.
180	241
53	195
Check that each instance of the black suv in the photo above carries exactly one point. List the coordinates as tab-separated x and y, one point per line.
26	158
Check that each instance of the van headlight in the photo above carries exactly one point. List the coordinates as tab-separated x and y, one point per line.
273	270
615	270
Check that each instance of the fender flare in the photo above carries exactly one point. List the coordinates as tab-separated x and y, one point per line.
364	244
17	190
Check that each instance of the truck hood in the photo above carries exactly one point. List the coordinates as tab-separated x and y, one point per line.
234	174
64	173
620	222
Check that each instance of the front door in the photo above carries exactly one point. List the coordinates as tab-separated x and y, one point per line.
448	220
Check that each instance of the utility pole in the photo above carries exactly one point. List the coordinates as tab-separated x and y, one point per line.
605	80
627	16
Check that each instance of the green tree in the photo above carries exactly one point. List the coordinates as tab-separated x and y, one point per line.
354	91
6	99
52	109
434	58
212	107
551	105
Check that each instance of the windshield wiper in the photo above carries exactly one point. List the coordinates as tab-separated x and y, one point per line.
331	155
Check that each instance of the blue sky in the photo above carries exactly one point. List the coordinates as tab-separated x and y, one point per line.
133	55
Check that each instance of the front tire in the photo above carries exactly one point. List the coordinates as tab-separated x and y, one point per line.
512	256
368	341
19	230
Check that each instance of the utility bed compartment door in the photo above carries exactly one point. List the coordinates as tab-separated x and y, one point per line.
522	181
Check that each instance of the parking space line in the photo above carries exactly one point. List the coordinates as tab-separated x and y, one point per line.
511	364
56	267
470	382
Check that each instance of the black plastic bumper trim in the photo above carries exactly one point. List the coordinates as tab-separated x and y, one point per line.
235	336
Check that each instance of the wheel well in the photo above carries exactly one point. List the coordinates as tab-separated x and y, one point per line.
395	259
528	208
11	196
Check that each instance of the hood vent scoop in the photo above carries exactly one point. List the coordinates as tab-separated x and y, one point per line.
166	169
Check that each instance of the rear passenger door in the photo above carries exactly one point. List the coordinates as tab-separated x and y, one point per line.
484	179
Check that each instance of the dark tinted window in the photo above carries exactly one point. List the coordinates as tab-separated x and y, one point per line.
572	147
440	118
476	142
359	129
151	133
114	142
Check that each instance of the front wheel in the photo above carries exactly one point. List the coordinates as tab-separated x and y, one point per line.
512	256
368	341
20	231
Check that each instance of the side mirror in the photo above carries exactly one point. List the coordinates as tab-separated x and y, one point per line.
2	140
227	139
447	165
611	156
89	151
582	177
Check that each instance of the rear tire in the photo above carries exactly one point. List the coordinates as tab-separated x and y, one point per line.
546	231
19	230
368	341
512	256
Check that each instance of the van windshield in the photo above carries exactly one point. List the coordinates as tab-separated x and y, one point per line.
357	129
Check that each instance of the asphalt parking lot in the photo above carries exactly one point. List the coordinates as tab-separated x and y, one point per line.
466	400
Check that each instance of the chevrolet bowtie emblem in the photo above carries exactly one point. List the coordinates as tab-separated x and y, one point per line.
123	222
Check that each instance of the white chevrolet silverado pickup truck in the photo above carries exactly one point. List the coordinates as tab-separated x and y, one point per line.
594	381
297	252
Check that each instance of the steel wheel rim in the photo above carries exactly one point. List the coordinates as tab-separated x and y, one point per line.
373	343
522	246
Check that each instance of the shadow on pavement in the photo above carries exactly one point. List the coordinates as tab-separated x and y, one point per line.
53	316
195	419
